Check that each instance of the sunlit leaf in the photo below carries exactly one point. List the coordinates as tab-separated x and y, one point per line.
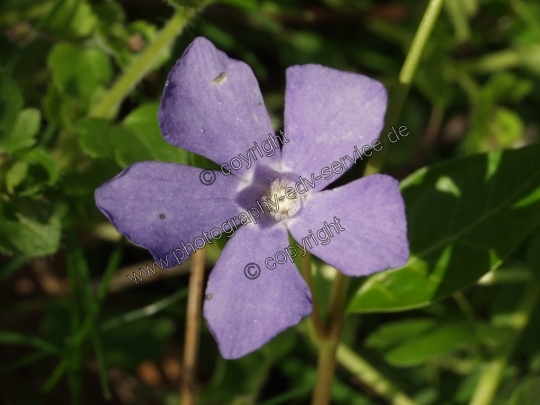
464	217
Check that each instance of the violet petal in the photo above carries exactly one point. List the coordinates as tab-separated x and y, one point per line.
160	205
371	211
327	113
212	105
243	314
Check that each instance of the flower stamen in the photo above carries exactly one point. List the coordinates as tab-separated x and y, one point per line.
284	199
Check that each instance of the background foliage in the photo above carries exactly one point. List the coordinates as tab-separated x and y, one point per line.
80	84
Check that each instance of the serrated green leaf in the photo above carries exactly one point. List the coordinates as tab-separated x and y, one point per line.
464	217
23	132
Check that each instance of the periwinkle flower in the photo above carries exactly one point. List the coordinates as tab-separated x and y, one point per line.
212	106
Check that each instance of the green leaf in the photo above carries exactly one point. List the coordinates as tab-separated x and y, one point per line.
464	217
459	12
128	148
11	101
73	19
110	14
41	158
79	72
139	138
96	137
59	109
431	78
23	132
16	338
391	334
432	343
506	87
531	56
493	127
507	127
125	43
30	237
15	175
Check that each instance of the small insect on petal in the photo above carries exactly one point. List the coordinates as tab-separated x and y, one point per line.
220	79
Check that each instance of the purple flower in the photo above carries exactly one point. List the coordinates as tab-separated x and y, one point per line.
212	106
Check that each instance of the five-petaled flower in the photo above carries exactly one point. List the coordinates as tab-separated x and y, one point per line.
212	106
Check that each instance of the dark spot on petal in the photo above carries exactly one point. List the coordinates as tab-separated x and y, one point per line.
208	296
259	104
162	216
220	79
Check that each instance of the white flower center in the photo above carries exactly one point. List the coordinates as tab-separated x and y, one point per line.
283	199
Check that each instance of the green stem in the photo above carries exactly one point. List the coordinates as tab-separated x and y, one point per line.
494	62
506	275
315	314
108	106
326	367
143	312
493	371
369	375
406	76
326	364
328	344
337	305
